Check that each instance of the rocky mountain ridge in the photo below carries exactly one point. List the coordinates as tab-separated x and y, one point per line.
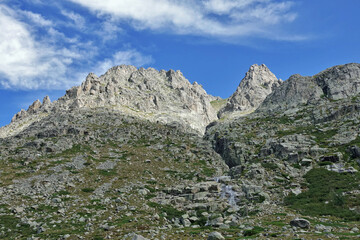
164	96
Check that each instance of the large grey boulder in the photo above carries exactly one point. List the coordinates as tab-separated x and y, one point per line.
257	84
138	237
215	236
300	223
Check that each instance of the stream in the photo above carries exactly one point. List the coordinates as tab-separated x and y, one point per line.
227	191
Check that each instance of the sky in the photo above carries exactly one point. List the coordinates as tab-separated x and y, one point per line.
47	47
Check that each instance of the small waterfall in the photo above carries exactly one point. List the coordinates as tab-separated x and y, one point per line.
227	191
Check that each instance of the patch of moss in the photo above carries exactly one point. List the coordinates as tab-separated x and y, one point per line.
170	211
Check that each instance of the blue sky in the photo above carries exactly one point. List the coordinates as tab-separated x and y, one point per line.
47	47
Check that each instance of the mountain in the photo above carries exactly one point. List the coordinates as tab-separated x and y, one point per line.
142	154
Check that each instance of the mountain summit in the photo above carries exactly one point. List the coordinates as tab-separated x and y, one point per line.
257	84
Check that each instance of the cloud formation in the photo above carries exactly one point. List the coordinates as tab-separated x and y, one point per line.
52	59
219	18
29	62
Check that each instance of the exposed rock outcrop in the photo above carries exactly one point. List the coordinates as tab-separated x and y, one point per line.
258	83
335	83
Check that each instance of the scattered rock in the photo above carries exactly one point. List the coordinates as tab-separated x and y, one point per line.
138	237
215	236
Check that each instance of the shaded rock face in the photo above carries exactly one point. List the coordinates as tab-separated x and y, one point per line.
340	81
165	96
258	83
335	83
296	91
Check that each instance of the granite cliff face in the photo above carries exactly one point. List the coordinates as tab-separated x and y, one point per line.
335	83
258	83
123	157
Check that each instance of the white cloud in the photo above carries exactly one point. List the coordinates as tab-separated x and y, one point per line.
219	18
27	62
127	57
226	6
77	19
37	19
272	13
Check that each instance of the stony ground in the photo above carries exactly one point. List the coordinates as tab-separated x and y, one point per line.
102	175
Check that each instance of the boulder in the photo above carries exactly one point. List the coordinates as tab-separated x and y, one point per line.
355	151
138	237
300	223
215	236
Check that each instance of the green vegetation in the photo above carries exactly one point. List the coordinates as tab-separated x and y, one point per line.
276	223
325	195
256	230
123	220
209	172
108	173
18	229
218	104
320	136
87	190
269	165
77	148
169	210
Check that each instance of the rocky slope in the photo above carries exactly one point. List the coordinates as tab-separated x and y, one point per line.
122	157
303	136
257	84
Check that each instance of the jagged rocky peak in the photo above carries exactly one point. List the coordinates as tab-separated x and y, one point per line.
334	83
165	96
257	84
34	108
168	95
46	101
